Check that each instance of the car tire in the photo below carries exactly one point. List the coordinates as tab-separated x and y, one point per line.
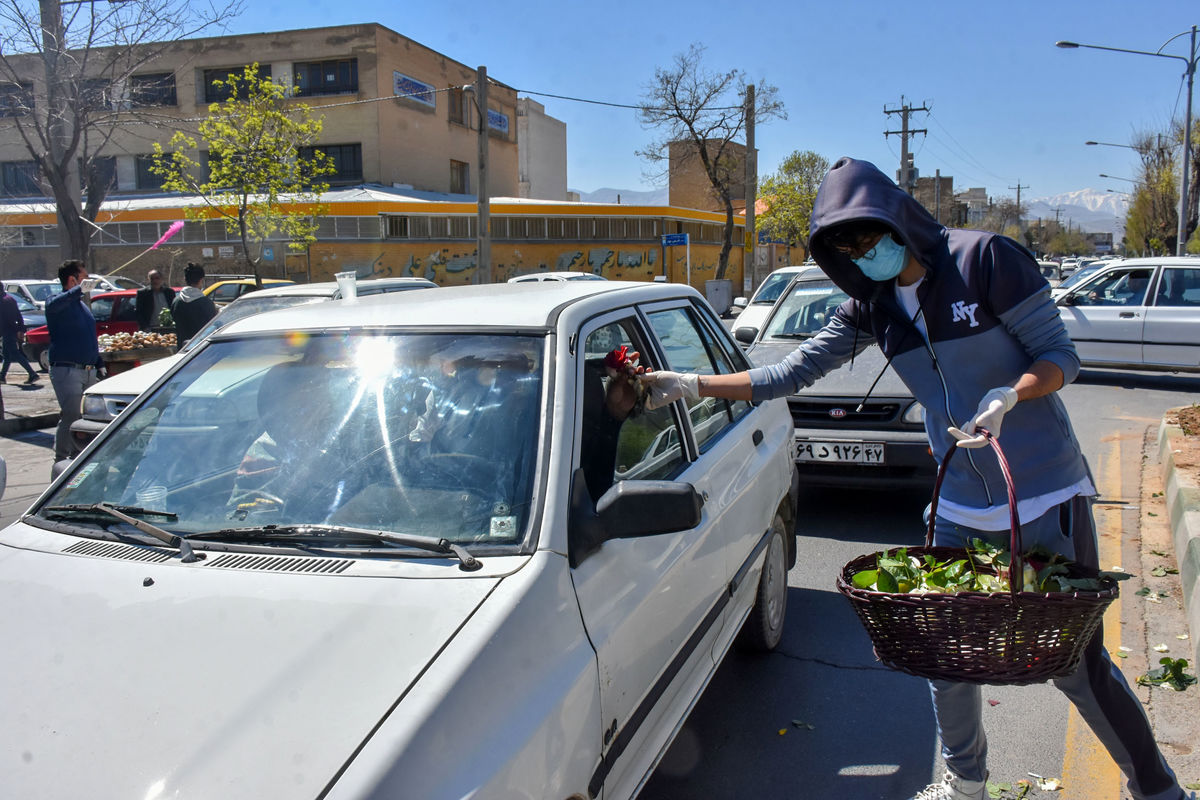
43	359
763	629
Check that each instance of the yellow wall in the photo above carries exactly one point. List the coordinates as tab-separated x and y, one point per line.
453	263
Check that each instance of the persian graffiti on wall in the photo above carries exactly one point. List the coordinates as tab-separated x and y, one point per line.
453	263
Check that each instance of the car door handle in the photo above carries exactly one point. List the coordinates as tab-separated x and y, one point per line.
757	437
1127	314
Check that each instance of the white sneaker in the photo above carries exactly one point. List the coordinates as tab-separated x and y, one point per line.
952	787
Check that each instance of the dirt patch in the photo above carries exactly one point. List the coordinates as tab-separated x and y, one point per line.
1189	419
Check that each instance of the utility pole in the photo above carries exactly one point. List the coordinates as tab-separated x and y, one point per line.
1019	187
937	194
907	182
483	233
751	192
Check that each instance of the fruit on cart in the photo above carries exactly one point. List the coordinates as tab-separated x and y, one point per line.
985	568
138	340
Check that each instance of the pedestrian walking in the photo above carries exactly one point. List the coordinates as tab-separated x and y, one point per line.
152	299
192	308
12	328
75	362
965	319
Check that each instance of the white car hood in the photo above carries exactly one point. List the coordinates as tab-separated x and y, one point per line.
140	681
136	380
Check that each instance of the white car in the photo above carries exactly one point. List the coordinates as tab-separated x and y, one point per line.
381	549
102	401
754	313
1141	313
35	290
539	277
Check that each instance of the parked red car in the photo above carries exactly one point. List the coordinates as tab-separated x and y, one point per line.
115	312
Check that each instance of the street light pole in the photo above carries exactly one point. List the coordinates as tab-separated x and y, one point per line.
1190	61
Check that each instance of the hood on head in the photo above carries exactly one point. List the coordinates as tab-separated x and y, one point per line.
189	293
856	190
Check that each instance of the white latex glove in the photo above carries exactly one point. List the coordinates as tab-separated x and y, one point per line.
992	408
667	387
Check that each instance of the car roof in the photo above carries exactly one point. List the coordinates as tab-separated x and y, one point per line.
116	293
329	288
554	275
530	305
1166	261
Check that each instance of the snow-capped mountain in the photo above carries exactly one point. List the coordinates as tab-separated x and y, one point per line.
656	197
1093	210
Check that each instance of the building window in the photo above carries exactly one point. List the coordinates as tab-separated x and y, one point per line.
16	99
146	180
217	94
347	161
19	179
326	77
156	89
94	93
102	174
462	228
460	177
455	98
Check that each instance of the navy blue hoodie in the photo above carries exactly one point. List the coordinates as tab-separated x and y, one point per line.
988	315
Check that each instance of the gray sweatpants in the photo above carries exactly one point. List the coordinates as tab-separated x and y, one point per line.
69	384
1097	688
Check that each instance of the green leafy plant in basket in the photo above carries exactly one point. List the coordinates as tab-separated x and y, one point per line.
986	568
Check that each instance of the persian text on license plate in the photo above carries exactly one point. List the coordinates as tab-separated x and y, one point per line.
841	452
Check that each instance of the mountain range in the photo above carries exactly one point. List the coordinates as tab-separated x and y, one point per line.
1093	210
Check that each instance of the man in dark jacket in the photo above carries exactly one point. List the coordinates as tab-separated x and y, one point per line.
152	299
75	360
12	327
192	308
965	319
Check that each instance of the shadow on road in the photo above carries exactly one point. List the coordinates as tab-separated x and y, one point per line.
1161	381
872	736
847	515
44	439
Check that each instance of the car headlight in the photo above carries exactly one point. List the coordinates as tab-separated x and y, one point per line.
94	407
914	414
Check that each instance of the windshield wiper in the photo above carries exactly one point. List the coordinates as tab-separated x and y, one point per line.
180	543
467	562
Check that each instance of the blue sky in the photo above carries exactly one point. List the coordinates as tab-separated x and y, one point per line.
1007	105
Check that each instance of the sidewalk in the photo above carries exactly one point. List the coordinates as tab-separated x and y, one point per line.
1180	459
27	408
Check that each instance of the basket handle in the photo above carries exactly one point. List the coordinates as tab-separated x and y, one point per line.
1017	569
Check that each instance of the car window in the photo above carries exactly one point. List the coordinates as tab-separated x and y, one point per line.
226	292
247	307
691	347
646	445
1078	277
804	310
23	305
1118	287
102	308
126	309
1179	286
430	434
772	287
43	291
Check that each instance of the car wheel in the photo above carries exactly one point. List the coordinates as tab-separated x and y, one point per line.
44	359
763	629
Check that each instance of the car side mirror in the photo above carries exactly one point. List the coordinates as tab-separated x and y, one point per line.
745	335
740	302
1071	300
628	510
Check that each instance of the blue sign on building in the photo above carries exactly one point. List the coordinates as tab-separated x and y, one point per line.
673	239
498	121
413	89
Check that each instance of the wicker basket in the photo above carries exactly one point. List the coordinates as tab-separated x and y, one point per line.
1010	637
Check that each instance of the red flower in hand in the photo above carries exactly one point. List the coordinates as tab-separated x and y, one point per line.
617	358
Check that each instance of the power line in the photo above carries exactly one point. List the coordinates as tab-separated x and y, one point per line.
965	152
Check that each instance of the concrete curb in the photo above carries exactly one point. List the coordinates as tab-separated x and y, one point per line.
1182	495
34	422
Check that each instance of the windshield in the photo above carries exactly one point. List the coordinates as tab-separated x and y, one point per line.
1079	276
43	291
805	310
247	307
424	434
23	305
772	287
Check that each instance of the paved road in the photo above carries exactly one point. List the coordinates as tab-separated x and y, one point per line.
873	733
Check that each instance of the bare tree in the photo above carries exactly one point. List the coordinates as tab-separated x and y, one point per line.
65	89
706	111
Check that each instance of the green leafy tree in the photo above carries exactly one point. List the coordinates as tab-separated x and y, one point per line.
789	194
687	102
1151	223
264	176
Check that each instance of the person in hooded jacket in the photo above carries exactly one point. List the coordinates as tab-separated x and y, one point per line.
965	319
192	308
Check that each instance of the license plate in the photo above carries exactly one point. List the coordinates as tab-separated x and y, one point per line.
840	452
